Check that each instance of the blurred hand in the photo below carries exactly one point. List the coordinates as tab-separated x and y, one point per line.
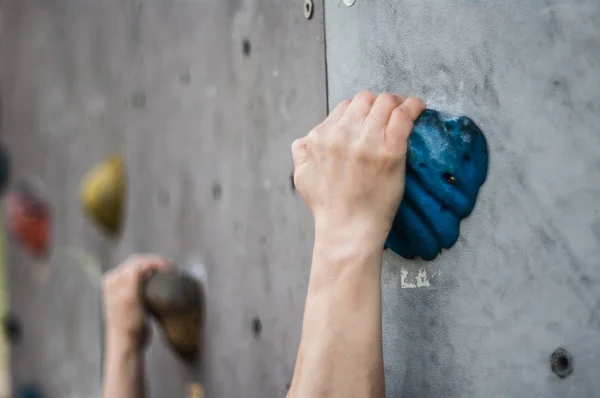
350	169
124	311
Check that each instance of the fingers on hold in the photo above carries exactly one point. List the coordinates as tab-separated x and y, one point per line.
157	264
337	112
361	106
365	97
136	267
383	108
400	125
138	260
388	100
413	107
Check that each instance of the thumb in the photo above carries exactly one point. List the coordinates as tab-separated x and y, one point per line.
299	151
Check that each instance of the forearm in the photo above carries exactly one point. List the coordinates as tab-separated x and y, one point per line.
340	352
123	370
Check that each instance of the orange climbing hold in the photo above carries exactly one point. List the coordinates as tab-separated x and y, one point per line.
28	219
103	192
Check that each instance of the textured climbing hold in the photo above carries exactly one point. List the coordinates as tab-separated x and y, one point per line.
447	163
103	193
28	218
176	300
4	168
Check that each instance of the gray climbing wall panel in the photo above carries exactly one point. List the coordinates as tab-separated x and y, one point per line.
204	98
483	319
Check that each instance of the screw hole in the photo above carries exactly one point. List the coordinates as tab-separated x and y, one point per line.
561	363
308	9
466	157
12	328
422	164
216	191
449	177
256	326
246	47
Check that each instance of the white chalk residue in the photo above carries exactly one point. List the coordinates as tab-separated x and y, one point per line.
411	281
196	270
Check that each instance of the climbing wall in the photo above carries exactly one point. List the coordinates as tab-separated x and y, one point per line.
203	98
484	318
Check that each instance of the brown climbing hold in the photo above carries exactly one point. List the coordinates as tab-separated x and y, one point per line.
176	300
103	193
28	218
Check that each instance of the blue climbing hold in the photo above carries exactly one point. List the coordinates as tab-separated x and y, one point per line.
447	163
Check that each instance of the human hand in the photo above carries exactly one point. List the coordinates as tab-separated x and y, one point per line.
124	311
350	169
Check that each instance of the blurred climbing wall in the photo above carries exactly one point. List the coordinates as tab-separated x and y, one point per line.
204	98
523	280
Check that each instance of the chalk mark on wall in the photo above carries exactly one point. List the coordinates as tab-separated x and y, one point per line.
412	279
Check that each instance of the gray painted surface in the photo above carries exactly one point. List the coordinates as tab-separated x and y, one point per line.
206	132
524	278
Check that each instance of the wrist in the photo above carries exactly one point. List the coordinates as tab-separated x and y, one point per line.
358	234
345	258
119	342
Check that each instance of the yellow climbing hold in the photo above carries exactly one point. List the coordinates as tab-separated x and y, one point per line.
195	390
103	193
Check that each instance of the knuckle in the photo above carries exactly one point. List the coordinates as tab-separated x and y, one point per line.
339	130
318	131
418	102
361	153
344	104
389	159
295	146
388	99
313	137
335	146
131	275
402	117
365	96
133	259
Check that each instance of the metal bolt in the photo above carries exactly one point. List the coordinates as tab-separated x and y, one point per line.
349	3
450	178
308	9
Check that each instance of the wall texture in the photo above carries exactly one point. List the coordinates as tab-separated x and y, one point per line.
483	319
204	98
